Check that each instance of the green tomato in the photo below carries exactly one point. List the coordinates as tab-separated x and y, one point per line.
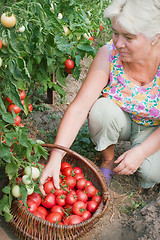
32	172
30	189
26	180
16	192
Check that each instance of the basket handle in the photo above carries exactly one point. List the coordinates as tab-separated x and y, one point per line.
83	159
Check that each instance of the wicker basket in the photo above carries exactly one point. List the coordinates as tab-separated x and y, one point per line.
27	226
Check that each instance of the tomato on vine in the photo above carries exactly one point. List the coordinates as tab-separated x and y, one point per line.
7	20
69	64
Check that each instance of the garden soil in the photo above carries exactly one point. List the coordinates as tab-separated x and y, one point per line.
132	214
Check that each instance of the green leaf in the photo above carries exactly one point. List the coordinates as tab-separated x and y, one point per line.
60	78
3	203
11	169
24	194
5	153
6	189
85	47
2	106
7	117
59	89
8	216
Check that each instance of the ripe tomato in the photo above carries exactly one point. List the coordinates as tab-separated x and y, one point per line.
39	214
78	176
49	187
69	64
32	206
101	28
17	120
43	210
30	107
68	71
70	182
22	95
97	199
77	170
71	198
61	200
58	192
88	183
74	219
67	171
64	165
91	206
90	191
15	108
8	21
49	201
36	197
68	208
79	207
8	100
81	183
81	196
86	215
54	217
0	44
91	38
58	209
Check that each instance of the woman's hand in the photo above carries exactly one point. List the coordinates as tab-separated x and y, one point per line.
129	161
51	170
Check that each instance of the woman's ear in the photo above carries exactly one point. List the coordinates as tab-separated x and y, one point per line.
156	39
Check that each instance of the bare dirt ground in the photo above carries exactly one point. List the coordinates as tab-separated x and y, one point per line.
131	213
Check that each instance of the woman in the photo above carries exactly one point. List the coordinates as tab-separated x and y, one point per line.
127	70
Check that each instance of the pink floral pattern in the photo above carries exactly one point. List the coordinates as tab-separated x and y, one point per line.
142	103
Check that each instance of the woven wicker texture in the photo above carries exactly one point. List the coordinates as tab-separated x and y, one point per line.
27	226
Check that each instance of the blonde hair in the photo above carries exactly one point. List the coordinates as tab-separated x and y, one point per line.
136	16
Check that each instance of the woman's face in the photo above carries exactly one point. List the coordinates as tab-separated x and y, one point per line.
132	48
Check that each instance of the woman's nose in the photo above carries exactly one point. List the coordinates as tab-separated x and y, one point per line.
120	43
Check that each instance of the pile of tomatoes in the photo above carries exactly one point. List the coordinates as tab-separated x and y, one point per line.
17	109
75	201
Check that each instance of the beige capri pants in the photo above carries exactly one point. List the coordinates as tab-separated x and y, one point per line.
108	124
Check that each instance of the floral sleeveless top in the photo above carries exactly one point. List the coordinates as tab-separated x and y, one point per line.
141	102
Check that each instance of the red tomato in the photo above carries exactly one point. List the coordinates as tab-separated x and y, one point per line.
0	44
49	201
15	108
78	176
71	198
43	210
17	120
77	170
70	182
58	209
67	171
81	183
30	107
36	197
86	215
101	28
61	199
22	94
32	206
54	217
69	64
65	221
68	208
58	192
68	71
74	219
91	206
91	38
90	191
97	199
9	100
64	165
49	187
81	196
88	183
39	214
79	207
